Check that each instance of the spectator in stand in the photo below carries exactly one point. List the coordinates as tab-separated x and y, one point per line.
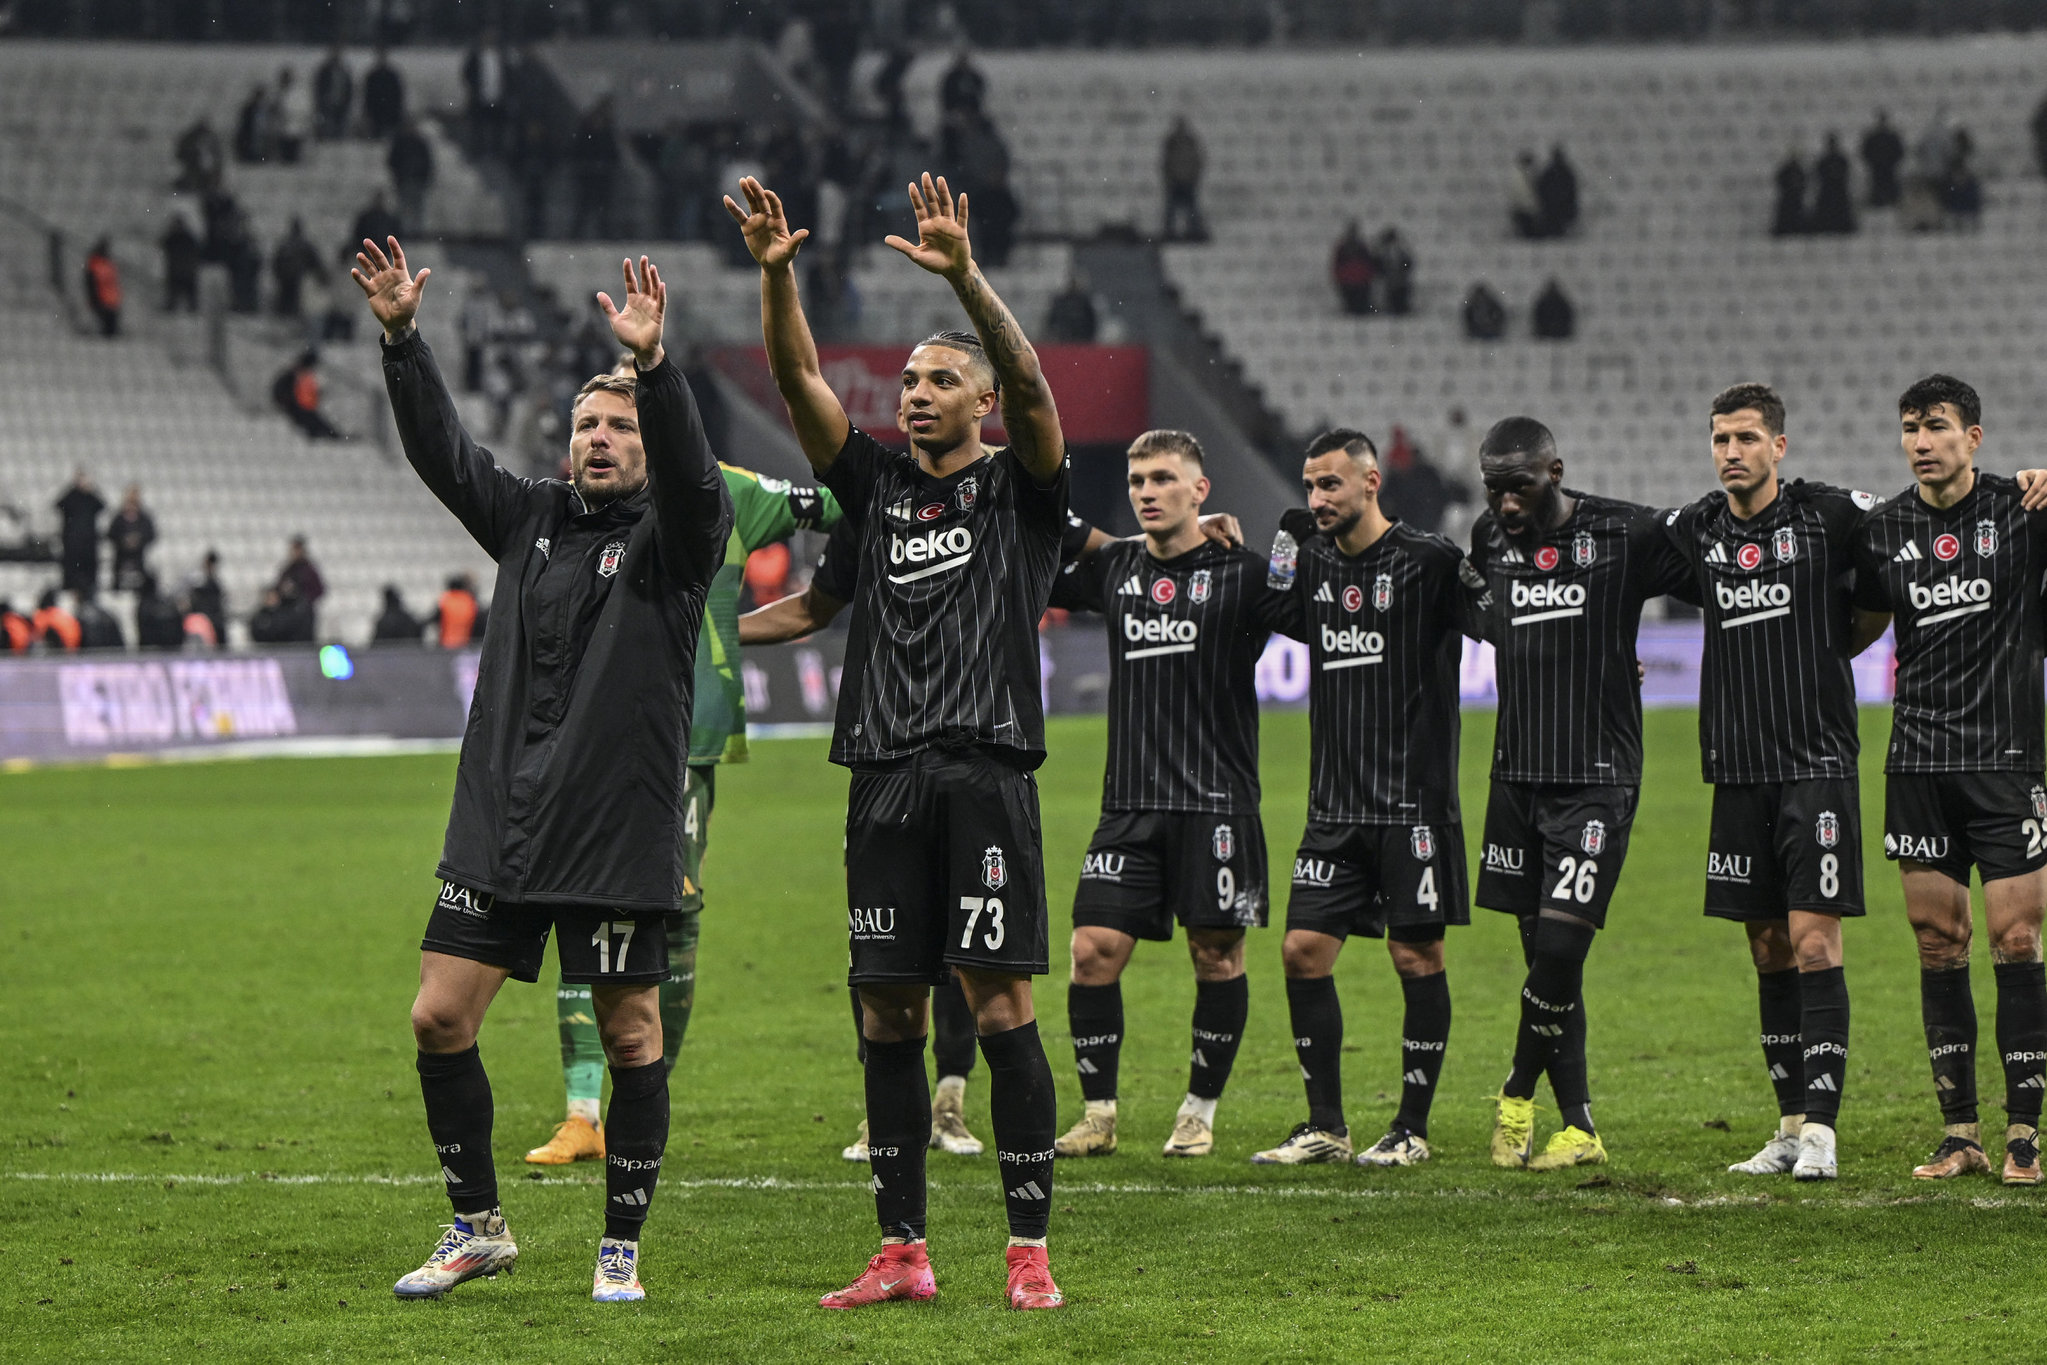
832	298
395	625
767	573
181	248
80	508
255	126
206	597
131	532
383	98
1180	164
243	257
17	632
483	77
1412	488
333	96
1962	191
1072	316
595	157
199	158
294	118
300	575
97	628
1833	204
1553	317
963	87
983	159
1882	153
284	618
1556	190
296	392
1396	272
2040	135
158	622
375	223
683	183
458	616
1524	206
1353	269
103	287
1789	218
1485	313
294	260
412	170
200	632
52	627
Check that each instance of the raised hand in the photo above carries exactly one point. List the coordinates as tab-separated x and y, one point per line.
941	245
765	226
637	324
394	293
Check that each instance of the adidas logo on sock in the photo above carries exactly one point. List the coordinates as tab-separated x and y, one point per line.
1907	555
1322	594
1549	1030
1416	1077
1199	1060
1028	1190
1822	1082
2033	1082
450	1176
1778	1073
1087	1068
637	1198
1131	588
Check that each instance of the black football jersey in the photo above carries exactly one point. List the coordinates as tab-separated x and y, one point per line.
1562	617
953	575
1963	587
1185	635
1776	688
1384	642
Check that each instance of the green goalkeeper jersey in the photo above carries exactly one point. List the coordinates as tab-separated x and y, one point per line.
764	511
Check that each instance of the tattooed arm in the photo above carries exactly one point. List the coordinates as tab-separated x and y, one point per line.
941	247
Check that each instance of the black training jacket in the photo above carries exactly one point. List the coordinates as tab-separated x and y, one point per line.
570	782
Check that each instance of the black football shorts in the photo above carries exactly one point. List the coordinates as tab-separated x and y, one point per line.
1993	822
944	866
1778	846
1147	870
596	947
1406	880
1554	848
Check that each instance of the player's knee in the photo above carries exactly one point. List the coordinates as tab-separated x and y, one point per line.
1769	945
1416	959
1095	959
1563	936
2017	943
1216	957
438	1027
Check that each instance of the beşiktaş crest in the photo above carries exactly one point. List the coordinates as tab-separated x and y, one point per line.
1224	843
613	556
1422	840
1784	544
1593	839
1198	586
969	489
1382	592
994	872
1827	831
1986	539
1583	551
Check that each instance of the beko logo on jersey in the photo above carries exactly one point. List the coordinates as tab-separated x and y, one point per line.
1552	601
1352	647
939	551
1952	597
1501	859
1160	635
877	922
1755	602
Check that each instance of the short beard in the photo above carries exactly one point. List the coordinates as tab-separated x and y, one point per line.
604	497
1344	526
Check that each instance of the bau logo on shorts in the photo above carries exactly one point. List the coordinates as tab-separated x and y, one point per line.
1313	872
462	899
1501	859
1102	867
869	924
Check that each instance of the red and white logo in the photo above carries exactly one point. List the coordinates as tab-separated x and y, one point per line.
1593	840
931	511
1945	546
969	489
1224	843
613	556
2039	802
1749	556
1546	558
1198	587
1382	592
1422	840
993	871
1986	539
1583	551
1784	544
1353	597
1162	591
1828	830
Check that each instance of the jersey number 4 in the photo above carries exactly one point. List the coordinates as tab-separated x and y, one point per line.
975	906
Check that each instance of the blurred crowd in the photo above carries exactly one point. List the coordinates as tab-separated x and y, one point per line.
1932	184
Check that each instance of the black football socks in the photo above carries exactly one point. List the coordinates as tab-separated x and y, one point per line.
1949	1010
1783	1016
1220	1009
952	1030
1318	1043
1549	1000
1424	1037
1823	1022
2022	1037
898	1134
635	1136
458	1115
1094	1015
1024	1109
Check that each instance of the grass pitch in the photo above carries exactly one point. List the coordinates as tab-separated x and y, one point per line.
213	1143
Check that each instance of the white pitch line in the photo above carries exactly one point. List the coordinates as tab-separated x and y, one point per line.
776	1184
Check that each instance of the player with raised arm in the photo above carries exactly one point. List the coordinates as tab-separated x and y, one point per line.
765	511
1773	569
1958	563
941	720
1567	575
1382	609
568	796
1179	838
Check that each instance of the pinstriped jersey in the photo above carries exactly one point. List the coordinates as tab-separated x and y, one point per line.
1562	617
1776	689
1963	586
953	575
1184	639
1384	640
